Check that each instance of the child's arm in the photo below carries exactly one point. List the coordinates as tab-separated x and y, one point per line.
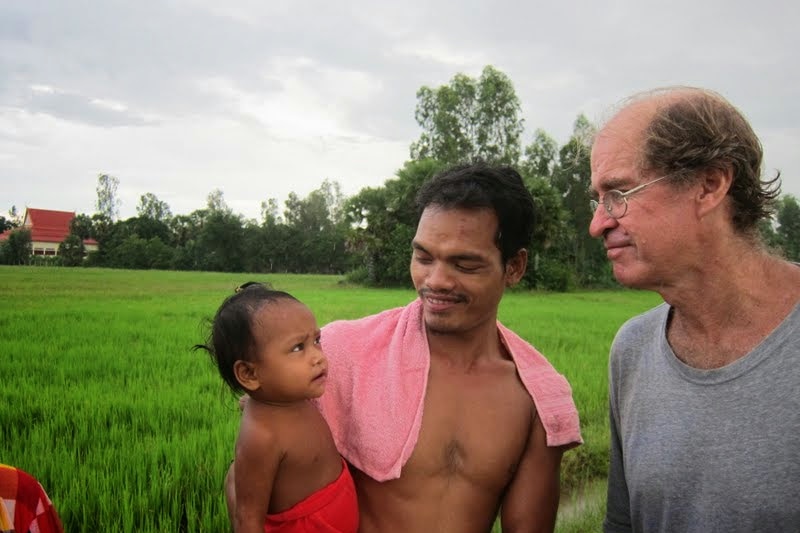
258	455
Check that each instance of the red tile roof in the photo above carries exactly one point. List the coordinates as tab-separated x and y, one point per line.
47	225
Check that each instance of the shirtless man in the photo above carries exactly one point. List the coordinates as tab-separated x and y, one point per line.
482	445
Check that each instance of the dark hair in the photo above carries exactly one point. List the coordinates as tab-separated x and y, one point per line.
478	186
231	337
696	129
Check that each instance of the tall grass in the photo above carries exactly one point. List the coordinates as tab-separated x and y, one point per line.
128	430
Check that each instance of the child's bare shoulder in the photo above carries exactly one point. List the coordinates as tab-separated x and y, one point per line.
259	431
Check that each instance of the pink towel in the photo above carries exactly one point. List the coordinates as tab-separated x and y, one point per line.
379	372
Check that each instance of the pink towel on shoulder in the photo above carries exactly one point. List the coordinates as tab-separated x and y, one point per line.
379	372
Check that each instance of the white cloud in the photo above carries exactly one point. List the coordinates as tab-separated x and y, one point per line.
109	104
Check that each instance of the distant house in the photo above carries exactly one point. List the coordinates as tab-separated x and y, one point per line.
48	230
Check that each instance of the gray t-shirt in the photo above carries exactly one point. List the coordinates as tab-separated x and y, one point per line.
703	450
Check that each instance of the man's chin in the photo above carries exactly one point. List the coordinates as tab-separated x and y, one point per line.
629	277
439	327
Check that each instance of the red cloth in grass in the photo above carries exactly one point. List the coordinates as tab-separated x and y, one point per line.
26	503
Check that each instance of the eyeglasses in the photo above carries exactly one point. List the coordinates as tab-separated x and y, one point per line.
616	202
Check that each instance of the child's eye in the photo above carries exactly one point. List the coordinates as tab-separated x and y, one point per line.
318	340
298	347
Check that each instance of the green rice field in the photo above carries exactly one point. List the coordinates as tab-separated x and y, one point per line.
129	430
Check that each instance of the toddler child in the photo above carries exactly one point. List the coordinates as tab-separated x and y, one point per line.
288	475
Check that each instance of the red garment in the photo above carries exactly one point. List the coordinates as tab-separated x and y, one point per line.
27	503
332	509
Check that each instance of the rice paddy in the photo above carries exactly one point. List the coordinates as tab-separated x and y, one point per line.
129	430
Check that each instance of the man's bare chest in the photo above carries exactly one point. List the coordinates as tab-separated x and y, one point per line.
473	426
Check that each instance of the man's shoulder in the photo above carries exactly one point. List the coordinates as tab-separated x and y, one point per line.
384	317
640	334
646	322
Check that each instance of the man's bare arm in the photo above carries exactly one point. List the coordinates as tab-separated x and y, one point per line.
531	500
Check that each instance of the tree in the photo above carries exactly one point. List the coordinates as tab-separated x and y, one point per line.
72	250
107	201
314	231
153	208
82	226
310	213
17	249
382	222
12	221
269	213
14	216
788	231
215	201
540	157
469	119
219	243
572	178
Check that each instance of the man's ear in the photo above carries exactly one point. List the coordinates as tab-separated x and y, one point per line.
714	184
246	375
516	266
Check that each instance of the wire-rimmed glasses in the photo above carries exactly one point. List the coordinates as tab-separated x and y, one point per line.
616	202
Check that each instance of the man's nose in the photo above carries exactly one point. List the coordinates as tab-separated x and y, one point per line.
440	276
601	222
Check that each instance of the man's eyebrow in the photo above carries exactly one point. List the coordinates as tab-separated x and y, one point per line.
467	257
455	257
614	182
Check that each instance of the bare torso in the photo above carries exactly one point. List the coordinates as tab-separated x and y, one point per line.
475	427
309	460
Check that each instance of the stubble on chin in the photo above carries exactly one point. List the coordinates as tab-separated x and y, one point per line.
437	328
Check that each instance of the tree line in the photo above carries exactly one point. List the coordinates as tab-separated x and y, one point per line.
367	236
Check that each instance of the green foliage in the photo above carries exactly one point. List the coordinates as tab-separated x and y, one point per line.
72	251
548	273
7	224
140	253
540	157
549	228
215	201
788	231
383	222
107	200
314	237
150	207
469	119
575	248
269	213
220	243
583	510
81	226
768	235
17	249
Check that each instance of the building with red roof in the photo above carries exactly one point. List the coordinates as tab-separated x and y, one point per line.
48	230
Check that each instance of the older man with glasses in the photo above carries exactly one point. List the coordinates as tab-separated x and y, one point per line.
704	402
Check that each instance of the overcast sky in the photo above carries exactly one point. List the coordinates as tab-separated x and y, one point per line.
259	98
